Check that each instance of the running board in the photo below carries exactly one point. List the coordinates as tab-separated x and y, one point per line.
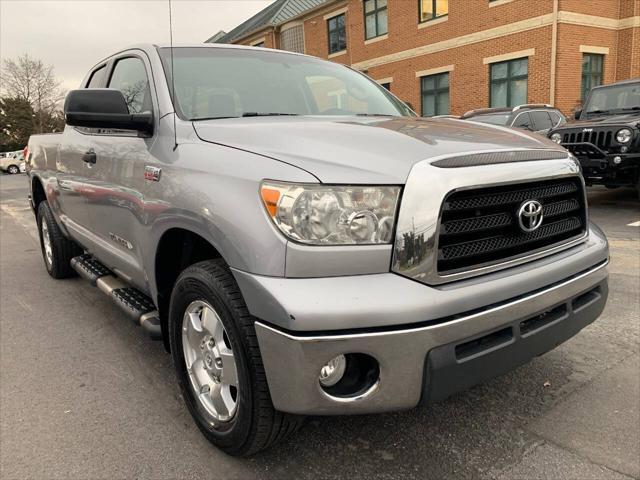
138	306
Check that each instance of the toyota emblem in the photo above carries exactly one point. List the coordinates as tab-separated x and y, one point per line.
530	215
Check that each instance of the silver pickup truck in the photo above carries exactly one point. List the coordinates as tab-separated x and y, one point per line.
302	242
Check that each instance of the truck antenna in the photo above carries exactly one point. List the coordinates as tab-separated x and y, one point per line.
173	80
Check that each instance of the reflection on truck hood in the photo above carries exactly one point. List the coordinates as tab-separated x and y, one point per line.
361	149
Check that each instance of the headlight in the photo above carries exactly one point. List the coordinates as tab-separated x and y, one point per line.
332	215
556	137
624	135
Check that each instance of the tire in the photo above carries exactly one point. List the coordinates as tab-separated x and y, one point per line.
60	250
13	169
252	424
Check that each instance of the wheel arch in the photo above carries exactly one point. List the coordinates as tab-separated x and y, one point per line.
38	193
177	249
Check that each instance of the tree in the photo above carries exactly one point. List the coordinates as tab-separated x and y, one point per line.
31	80
17	121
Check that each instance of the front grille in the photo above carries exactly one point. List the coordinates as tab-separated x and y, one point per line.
480	227
603	139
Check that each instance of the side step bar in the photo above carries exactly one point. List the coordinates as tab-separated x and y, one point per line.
138	306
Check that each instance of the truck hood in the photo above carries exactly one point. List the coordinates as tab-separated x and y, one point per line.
630	119
362	149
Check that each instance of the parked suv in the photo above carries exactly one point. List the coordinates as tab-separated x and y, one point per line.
605	135
299	256
533	117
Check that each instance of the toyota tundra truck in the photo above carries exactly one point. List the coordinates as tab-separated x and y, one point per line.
302	242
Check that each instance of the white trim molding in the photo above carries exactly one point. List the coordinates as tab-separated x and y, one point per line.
476	37
573	18
335	13
434	71
337	54
497	3
498	32
376	39
385	80
594	49
530	52
255	42
434	21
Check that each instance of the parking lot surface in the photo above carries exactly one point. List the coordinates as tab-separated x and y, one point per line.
85	394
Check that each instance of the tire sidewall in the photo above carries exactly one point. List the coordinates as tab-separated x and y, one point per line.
44	216
195	284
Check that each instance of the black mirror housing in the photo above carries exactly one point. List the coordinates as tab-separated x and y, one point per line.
104	108
577	114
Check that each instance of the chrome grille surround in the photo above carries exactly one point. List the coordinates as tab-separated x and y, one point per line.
420	212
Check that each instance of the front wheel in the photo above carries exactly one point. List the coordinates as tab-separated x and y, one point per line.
218	362
13	169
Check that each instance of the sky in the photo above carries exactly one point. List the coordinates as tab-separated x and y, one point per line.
73	35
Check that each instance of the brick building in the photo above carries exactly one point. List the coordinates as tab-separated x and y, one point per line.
449	56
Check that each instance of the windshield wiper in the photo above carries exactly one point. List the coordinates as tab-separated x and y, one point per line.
598	111
375	115
268	114
209	118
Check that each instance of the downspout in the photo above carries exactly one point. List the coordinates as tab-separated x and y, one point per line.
554	54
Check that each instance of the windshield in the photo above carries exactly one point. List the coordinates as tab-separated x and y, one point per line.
613	99
492	118
231	82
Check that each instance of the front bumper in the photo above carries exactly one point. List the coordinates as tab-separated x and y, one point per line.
599	167
457	352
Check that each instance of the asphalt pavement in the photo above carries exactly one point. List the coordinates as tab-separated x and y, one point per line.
84	394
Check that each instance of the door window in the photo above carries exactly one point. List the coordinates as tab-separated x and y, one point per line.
97	77
523	121
541	120
129	76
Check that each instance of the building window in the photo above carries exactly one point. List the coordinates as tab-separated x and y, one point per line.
509	83
337	34
375	18
592	67
292	39
430	9
435	94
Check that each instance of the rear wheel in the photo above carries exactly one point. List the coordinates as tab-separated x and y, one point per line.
13	169
57	250
218	362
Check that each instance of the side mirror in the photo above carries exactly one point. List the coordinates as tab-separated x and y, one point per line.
577	114
104	108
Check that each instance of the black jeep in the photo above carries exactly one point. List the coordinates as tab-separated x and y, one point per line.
605	135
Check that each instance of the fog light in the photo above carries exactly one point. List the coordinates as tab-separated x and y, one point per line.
333	371
623	149
617	160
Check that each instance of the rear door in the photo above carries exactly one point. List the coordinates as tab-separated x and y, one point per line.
117	210
73	164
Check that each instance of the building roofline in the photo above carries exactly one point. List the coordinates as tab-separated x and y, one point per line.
273	26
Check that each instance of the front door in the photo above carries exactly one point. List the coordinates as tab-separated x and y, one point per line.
117	206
